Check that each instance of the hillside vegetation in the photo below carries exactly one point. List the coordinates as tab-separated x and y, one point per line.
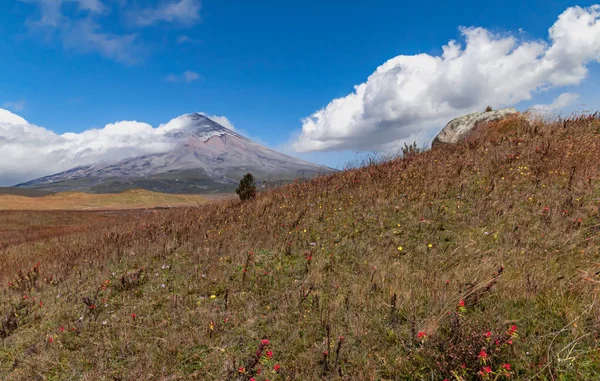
473	261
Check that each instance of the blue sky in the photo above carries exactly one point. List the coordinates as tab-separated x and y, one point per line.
263	64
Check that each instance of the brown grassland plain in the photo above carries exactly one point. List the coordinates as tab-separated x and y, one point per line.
131	199
473	261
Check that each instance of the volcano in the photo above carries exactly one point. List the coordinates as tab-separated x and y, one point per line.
205	157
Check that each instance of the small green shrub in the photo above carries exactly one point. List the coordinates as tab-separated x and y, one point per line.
247	189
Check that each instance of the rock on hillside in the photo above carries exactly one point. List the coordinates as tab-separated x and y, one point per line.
459	127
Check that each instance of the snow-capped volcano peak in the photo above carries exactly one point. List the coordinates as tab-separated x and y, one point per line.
205	156
195	125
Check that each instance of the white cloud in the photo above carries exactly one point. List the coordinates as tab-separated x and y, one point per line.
187	76
52	9
560	102
30	151
14	105
183	39
81	32
184	12
412	97
7	117
87	36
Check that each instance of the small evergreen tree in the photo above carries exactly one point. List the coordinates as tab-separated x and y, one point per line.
246	190
488	109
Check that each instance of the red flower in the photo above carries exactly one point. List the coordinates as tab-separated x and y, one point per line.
482	355
62	329
252	379
50	339
488	334
421	334
264	342
277	367
513	328
133	316
461	303
487	369
506	366
270	354
509	342
242	370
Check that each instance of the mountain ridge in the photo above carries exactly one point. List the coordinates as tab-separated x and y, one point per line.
205	157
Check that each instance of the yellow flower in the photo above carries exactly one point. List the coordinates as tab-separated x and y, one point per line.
213	296
429	245
399	248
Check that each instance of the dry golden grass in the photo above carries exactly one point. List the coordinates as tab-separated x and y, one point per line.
131	199
466	262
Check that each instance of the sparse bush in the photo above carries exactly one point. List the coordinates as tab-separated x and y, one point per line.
409	150
488	109
247	189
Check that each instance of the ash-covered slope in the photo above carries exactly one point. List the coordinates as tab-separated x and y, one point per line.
206	157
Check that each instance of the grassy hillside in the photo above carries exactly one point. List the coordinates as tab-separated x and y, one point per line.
133	198
467	262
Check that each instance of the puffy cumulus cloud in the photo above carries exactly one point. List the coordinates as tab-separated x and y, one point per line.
7	117
185	12
560	102
30	151
412	97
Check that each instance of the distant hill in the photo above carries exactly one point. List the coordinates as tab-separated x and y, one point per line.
206	158
23	192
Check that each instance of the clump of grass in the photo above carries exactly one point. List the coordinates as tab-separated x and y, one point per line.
470	261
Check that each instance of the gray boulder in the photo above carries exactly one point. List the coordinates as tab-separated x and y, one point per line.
459	127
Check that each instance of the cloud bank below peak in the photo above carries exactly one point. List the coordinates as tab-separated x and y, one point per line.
30	151
409	97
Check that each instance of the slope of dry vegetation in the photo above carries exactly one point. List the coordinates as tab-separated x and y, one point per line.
474	261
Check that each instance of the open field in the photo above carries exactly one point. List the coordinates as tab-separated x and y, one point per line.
131	199
23	192
31	227
477	261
